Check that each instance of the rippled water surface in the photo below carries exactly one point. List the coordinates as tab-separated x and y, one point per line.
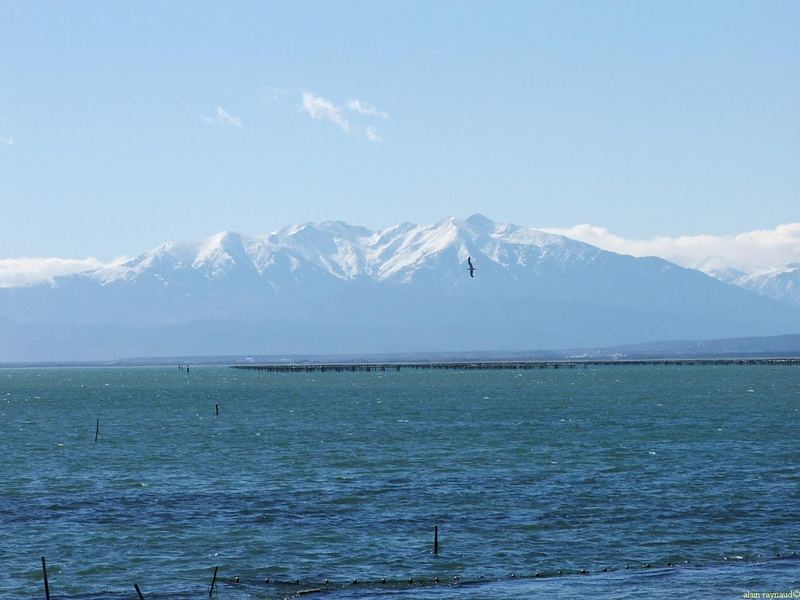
692	470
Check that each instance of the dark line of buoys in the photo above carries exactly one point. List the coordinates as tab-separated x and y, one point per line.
456	580
507	365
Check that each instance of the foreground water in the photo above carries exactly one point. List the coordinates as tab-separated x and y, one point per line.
692	470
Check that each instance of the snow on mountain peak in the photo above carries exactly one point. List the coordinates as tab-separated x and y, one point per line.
221	252
781	283
343	251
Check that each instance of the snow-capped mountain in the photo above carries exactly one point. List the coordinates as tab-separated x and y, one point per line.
340	250
333	287
780	283
719	268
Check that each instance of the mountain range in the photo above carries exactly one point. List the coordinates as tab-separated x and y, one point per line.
781	283
331	288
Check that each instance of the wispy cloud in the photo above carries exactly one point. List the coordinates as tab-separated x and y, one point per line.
223	117
226	118
320	108
6	140
365	108
748	251
31	271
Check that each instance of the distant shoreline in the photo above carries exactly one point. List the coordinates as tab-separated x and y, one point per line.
512	365
288	366
777	347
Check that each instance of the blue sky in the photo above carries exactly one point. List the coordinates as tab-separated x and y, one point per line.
123	125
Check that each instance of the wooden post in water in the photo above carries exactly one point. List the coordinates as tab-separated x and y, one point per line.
436	539
216	407
213	582
96	431
138	591
46	585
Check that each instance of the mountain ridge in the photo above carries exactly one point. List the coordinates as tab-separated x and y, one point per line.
345	251
336	288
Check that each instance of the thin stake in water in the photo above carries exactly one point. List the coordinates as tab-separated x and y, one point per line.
213	582
138	591
216	406
46	585
436	539
96	431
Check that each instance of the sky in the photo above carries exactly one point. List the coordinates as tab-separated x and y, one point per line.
123	125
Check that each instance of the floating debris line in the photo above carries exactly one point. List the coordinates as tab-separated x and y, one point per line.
506	365
296	587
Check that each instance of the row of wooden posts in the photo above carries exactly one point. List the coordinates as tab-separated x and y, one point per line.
47	584
213	577
508	364
97	424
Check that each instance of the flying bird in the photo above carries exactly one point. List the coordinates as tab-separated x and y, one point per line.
471	268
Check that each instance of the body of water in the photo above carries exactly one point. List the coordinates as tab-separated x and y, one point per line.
694	471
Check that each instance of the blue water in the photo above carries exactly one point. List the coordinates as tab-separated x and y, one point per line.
340	476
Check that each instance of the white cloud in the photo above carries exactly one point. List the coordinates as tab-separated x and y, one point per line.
320	108
222	117
372	134
746	252
6	140
364	108
225	118
31	271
